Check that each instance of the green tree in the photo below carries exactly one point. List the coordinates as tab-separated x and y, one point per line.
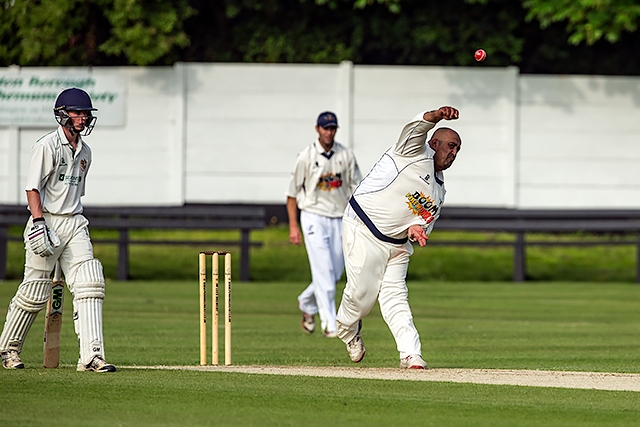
587	20
91	32
54	32
146	30
538	36
373	32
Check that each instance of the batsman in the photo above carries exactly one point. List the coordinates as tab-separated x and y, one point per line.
57	231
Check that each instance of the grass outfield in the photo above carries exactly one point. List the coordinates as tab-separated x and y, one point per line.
279	261
545	326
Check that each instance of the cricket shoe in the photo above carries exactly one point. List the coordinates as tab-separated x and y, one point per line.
11	360
308	323
330	334
413	361
97	364
355	347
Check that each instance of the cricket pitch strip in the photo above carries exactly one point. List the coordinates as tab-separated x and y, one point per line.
560	379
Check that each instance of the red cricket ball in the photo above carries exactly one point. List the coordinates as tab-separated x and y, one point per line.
480	55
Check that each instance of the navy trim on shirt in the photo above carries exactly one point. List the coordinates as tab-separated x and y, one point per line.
328	155
374	230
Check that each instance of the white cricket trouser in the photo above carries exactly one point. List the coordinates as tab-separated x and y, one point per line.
75	248
376	270
323	240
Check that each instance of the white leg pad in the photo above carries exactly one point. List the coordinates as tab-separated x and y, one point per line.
30	298
87	319
89	280
88	294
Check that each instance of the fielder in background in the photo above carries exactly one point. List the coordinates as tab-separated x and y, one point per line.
324	176
56	230
397	202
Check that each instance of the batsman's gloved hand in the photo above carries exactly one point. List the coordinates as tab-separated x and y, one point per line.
42	240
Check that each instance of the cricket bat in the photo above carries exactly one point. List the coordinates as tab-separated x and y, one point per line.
53	320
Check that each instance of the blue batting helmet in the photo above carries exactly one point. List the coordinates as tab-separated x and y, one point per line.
74	99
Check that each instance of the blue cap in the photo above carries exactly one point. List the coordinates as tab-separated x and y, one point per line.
327	119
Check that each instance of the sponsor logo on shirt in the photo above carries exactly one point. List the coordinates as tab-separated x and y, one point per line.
330	181
70	179
422	205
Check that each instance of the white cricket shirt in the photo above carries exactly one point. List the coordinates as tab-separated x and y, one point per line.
59	173
322	182
402	189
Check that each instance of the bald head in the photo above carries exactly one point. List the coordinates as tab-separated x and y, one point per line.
446	143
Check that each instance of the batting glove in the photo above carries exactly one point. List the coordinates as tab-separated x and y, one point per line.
42	240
